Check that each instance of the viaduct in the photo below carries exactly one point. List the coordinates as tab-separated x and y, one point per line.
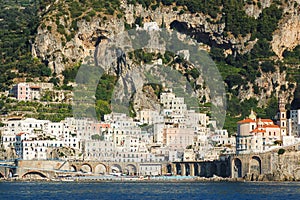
231	166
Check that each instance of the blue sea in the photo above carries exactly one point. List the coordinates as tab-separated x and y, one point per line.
150	190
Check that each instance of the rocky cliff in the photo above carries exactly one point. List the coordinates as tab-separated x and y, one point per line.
63	41
287	36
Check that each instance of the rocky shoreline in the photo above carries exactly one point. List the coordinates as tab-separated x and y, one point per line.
247	178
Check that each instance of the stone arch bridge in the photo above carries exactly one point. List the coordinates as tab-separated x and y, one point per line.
32	169
234	166
199	168
97	167
266	163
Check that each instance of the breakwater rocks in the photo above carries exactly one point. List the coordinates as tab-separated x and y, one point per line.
247	178
271	177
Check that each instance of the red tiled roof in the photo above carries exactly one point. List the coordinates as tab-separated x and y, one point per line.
19	134
271	126
248	120
105	125
266	120
258	131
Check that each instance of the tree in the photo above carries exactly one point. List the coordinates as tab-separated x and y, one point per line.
102	108
272	108
268	67
281	151
217	54
45	71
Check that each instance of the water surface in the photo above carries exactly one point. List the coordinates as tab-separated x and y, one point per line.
149	190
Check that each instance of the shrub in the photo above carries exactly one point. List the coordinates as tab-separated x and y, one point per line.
268	67
281	151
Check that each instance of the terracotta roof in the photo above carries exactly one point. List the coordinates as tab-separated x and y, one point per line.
248	120
266	120
105	125
271	126
258	131
19	134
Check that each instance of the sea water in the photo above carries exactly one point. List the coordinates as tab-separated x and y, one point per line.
150	190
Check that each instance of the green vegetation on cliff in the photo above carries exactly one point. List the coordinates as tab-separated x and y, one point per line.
18	23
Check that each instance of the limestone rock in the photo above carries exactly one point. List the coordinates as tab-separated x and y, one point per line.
53	47
254	10
288	34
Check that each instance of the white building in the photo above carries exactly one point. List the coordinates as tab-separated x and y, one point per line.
150	169
221	138
40	135
37	149
30	91
99	150
14	126
158	131
178	138
149	117
171	102
257	135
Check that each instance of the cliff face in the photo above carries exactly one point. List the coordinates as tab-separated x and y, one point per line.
62	52
288	34
51	46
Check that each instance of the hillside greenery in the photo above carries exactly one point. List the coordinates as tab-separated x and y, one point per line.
18	24
292	57
40	110
19	21
238	70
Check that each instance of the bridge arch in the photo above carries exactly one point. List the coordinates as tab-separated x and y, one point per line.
203	172
196	169
169	169
73	168
187	169
100	169
255	165
223	170
10	173
130	169
1	175
178	169
236	168
115	168
86	167
34	175
213	169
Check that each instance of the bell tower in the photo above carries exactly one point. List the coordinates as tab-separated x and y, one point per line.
282	117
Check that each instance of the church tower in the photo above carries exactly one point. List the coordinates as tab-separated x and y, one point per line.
282	117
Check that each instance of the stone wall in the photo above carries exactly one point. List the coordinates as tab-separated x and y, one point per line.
270	166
